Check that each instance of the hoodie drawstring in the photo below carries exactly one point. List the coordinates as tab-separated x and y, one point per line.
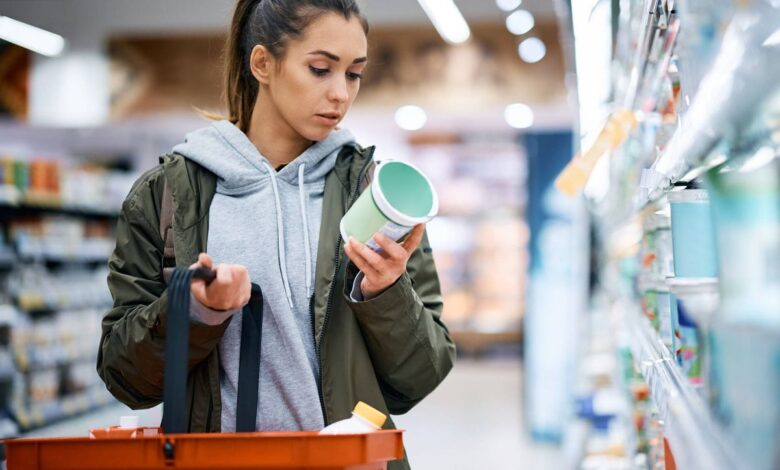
306	242
280	235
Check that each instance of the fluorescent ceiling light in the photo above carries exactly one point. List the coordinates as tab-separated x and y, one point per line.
410	118
520	22
32	38
508	5
532	50
447	20
519	115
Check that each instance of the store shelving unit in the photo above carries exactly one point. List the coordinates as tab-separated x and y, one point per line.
700	105
695	438
10	209
53	259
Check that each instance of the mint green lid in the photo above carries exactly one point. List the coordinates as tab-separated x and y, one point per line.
404	193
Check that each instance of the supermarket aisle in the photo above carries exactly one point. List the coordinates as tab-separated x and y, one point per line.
474	422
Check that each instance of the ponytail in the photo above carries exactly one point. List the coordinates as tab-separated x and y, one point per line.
240	86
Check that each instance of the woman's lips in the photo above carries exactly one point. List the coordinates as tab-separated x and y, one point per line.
327	119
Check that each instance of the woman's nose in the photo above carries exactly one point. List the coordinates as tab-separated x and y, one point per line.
338	91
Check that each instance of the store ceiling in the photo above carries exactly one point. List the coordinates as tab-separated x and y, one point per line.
81	20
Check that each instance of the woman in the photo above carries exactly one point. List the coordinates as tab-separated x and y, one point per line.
262	193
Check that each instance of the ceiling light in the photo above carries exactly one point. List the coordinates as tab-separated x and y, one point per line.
410	117
519	115
447	20
32	38
532	50
520	22
508	5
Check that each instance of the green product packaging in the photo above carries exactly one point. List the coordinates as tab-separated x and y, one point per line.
400	197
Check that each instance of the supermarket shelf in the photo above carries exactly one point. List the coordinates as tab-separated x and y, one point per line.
53	262
36	305
9	209
50	412
7	259
657	19
696	440
29	359
735	87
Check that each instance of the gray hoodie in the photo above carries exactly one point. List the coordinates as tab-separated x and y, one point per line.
268	221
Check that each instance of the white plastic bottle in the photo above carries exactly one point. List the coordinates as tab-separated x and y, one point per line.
364	419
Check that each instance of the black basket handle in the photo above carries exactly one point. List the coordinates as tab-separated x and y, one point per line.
177	340
177	352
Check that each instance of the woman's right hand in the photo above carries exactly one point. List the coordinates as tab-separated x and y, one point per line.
230	290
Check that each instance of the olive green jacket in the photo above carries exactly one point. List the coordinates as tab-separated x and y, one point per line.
390	351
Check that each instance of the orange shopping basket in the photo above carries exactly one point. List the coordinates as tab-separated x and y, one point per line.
175	449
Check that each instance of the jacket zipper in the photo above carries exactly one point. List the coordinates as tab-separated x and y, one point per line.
318	340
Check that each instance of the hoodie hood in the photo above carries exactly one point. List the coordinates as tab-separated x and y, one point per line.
226	151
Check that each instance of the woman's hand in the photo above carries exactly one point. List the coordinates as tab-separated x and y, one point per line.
381	271
229	291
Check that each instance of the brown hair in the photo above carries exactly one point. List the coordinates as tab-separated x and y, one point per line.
270	23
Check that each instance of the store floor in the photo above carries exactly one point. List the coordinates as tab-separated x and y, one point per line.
473	421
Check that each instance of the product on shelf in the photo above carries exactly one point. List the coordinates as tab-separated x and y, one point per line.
708	345
48	183
745	338
693	238
746	208
59	238
617	128
689	351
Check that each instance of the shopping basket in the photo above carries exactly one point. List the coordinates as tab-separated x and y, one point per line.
175	449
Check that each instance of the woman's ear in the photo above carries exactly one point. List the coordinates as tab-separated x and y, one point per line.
261	63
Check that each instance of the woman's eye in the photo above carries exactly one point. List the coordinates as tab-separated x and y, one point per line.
354	76
317	71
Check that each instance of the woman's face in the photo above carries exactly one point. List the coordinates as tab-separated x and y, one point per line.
315	83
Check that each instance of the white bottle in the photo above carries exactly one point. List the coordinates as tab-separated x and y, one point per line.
129	422
364	419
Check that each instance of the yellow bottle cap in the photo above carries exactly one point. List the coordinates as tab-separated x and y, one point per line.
370	414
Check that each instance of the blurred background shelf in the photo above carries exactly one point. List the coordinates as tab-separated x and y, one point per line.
42	414
9	209
695	437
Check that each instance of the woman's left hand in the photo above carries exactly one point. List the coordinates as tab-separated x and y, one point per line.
381	271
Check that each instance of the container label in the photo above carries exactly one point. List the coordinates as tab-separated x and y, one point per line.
392	231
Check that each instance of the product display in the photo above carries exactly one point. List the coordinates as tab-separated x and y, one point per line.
689	233
44	183
57	235
693	238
